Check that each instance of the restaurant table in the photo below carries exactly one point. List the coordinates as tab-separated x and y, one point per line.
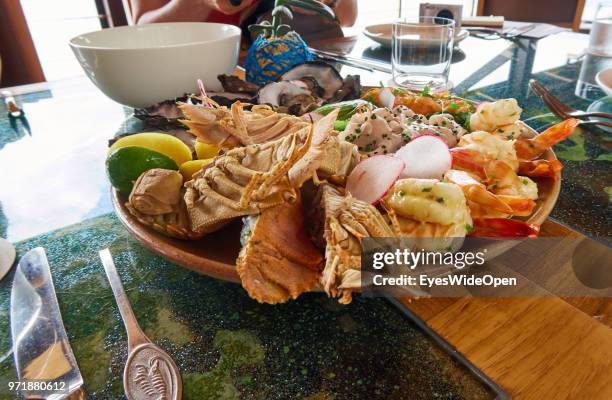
54	193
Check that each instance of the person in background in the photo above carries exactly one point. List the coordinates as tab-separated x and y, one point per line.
151	11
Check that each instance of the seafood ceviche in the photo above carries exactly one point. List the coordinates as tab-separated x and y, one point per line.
309	188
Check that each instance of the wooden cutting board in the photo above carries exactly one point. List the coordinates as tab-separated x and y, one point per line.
534	347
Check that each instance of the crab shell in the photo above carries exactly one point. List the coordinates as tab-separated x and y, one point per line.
244	181
233	127
157	201
346	221
278	261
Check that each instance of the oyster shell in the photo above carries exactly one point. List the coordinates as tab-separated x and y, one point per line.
288	97
233	84
321	78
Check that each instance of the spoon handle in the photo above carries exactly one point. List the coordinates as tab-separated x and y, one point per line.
135	335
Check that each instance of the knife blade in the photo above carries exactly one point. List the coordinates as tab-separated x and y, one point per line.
45	364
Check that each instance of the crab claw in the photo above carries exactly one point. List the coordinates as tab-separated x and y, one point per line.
541	168
528	149
504	228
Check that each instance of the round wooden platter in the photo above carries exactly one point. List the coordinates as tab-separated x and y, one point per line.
215	254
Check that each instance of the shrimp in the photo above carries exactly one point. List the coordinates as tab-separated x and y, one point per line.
528	149
498	176
504	228
491	115
427	208
484	204
510	131
541	168
419	104
492	146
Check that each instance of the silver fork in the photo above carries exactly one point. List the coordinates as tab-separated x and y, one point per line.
564	111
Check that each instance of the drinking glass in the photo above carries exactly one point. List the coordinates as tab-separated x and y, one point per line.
421	52
600	37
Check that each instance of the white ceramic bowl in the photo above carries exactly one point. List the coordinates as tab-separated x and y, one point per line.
604	80
141	65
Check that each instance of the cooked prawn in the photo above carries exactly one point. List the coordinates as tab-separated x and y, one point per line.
484	204
498	176
528	149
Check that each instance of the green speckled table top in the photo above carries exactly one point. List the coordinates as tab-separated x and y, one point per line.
227	345
54	193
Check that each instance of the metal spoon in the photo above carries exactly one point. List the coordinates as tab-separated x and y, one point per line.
7	257
150	373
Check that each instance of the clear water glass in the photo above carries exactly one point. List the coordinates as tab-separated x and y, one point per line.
600	37
421	52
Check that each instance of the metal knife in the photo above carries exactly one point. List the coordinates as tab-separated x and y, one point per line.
46	366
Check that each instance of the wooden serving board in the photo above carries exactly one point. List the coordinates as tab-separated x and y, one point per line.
533	347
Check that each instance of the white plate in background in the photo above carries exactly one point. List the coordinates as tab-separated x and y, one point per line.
381	33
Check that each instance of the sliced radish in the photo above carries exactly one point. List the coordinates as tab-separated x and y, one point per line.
386	98
373	177
426	156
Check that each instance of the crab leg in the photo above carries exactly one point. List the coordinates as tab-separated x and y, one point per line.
504	228
528	149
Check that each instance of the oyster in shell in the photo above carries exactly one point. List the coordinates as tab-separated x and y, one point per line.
288	97
321	78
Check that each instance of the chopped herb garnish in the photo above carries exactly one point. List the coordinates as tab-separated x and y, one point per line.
401	193
469	228
525	181
452	106
425	92
440	200
426	190
368	148
373	116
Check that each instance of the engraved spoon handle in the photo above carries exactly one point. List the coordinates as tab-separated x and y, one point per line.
135	335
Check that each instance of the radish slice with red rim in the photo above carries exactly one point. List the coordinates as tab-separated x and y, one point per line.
372	178
426	156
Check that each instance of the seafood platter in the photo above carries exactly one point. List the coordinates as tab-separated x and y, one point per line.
275	186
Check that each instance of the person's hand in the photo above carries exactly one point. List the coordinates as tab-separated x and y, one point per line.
226	7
